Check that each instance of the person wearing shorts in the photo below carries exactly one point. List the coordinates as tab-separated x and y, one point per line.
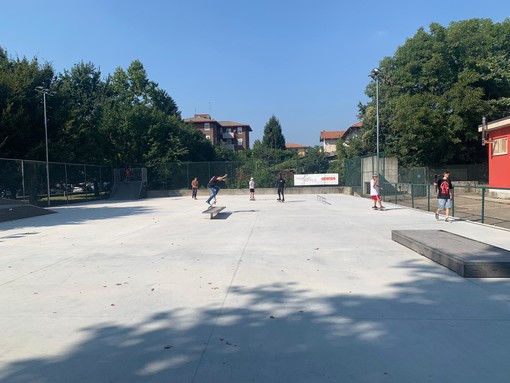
444	189
251	185
374	192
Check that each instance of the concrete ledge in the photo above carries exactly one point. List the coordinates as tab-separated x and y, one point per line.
467	257
11	210
213	211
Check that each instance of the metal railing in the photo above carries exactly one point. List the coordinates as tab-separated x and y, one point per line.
471	202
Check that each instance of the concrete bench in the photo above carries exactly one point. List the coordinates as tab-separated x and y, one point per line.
213	211
465	256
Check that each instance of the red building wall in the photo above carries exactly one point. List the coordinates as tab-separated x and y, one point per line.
499	166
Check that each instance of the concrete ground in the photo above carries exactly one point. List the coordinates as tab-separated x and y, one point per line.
302	291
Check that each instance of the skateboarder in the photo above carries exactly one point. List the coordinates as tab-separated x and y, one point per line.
214	188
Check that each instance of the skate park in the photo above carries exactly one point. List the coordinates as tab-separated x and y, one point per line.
310	290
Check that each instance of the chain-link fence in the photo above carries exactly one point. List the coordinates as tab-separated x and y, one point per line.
27	180
178	175
470	202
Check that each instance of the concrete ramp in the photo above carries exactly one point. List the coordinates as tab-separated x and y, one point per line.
130	190
465	256
11	210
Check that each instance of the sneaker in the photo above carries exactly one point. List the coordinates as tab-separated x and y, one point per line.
437	216
374	207
448	220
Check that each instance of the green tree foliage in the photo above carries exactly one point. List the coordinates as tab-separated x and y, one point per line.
434	91
273	135
78	100
125	119
21	110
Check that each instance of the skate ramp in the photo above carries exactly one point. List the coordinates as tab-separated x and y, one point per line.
131	190
11	210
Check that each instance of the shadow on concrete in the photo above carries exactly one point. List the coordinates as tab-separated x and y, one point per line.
75	214
282	334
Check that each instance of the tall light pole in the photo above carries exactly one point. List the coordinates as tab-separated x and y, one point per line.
375	76
45	92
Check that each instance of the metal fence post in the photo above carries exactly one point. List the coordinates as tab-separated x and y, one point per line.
428	198
483	204
412	196
23	178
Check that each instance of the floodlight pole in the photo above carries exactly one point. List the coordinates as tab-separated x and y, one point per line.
375	75
46	91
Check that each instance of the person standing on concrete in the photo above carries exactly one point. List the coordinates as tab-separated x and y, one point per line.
444	189
374	192
251	185
280	184
194	188
214	188
127	174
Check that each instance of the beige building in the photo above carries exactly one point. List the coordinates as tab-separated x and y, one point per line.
300	149
329	140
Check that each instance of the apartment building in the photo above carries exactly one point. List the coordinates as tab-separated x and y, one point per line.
233	135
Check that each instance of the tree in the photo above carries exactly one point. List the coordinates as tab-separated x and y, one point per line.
434	91
79	99
273	136
21	107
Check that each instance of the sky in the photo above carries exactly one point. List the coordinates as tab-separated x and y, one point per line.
304	61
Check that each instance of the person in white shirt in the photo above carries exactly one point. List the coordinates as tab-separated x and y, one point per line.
374	192
252	189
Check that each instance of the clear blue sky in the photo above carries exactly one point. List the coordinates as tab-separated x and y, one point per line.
307	62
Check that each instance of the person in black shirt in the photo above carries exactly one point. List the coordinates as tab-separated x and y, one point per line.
214	188
444	189
280	184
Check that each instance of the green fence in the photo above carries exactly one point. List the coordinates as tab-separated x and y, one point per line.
178	175
471	202
27	180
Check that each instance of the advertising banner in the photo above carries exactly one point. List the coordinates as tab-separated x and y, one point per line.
315	179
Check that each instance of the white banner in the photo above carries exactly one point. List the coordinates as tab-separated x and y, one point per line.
315	179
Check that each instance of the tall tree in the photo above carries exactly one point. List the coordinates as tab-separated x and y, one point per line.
273	136
21	107
79	96
434	91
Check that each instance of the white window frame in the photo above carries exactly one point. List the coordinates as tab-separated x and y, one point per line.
207	126
500	146
208	137
239	142
239	130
